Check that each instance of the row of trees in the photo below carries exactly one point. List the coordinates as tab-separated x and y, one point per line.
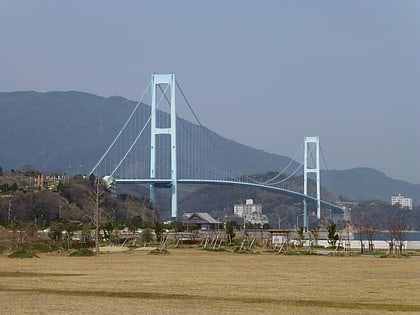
374	220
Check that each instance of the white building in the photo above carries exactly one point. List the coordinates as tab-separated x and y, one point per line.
240	210
251	212
402	201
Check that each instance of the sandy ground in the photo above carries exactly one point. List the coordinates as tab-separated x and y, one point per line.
194	281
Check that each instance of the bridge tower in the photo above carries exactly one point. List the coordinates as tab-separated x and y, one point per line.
311	141
169	80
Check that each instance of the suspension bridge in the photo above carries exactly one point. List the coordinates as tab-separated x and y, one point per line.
159	148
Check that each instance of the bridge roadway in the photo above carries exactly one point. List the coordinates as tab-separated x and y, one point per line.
167	183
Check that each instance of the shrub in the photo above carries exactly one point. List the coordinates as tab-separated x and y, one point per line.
158	252
42	248
21	253
82	252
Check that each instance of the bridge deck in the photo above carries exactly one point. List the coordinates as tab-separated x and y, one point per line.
167	183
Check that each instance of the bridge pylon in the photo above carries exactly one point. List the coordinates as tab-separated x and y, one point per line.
311	169
169	80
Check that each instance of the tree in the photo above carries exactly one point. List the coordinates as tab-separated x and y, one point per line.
29	170
230	227
136	222
56	233
398	224
332	234
70	229
177	226
357	220
147	236
98	193
108	228
23	235
301	235
158	230
315	234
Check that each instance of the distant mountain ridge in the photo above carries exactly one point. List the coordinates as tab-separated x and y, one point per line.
69	131
364	183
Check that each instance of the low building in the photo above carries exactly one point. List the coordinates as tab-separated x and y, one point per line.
202	220
256	218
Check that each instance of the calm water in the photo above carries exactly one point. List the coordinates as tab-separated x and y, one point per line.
380	236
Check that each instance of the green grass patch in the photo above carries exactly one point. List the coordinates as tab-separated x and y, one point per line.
238	250
21	253
157	251
42	248
394	255
210	249
82	253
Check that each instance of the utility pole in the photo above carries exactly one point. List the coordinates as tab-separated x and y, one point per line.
9	212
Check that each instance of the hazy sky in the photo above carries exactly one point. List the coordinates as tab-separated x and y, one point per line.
263	73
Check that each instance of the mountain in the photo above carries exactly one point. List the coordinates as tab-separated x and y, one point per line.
69	131
363	184
63	131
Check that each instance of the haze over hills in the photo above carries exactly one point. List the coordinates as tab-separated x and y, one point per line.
69	131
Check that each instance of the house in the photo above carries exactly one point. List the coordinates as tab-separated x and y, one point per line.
202	220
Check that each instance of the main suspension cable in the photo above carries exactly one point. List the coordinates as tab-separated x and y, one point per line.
323	157
122	129
288	165
135	141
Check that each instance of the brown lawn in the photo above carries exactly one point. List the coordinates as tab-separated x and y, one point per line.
193	281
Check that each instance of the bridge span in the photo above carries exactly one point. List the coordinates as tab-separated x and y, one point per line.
167	183
152	149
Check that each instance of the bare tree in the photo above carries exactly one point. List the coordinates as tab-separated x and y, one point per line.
398	224
365	220
315	234
99	191
357	219
95	200
370	230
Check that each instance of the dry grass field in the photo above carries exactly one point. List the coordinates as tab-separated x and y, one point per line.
194	281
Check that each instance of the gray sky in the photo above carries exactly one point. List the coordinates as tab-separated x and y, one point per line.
263	73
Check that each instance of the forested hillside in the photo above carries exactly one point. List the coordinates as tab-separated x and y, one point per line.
71	200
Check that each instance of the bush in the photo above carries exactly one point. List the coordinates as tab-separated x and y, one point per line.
42	248
158	252
82	252
21	253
